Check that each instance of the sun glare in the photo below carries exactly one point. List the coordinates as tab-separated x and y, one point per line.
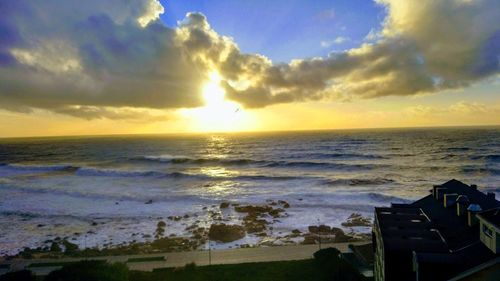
218	114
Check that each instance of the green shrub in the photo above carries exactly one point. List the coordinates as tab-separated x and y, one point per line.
90	271
54	247
23	275
332	266
70	247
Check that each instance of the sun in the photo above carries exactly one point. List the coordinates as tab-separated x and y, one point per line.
218	114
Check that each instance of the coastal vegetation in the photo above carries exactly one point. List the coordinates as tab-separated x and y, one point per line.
327	264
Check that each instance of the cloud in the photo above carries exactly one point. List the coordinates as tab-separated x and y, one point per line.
94	58
470	108
99	112
339	40
425	47
459	108
77	54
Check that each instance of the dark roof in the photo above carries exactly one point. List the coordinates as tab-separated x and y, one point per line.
442	266
404	228
437	236
475	196
453	228
492	216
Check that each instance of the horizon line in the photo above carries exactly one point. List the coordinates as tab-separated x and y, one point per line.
250	131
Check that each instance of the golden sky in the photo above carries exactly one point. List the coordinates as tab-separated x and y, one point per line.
99	68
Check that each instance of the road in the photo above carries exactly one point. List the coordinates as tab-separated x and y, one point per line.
177	259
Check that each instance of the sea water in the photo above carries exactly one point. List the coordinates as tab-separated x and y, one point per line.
109	190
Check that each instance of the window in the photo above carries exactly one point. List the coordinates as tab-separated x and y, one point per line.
487	231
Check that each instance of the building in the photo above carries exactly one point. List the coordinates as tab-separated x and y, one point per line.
451	233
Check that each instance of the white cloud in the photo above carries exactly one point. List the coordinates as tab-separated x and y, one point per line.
339	40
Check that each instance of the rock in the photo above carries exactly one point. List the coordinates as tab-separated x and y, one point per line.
93	223
254	227
174	218
313	229
252	209
296	231
161	224
150	201
324	229
226	233
356	219
169	244
224	205
309	239
284	204
275	213
336	231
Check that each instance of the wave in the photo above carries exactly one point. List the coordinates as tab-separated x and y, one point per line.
380	197
491	157
15	169
357	199
325	165
37	168
188	160
259	163
357	182
458	149
84	171
275	178
343	156
480	170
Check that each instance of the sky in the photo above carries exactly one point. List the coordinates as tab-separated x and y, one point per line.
148	66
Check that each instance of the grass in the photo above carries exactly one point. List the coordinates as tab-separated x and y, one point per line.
265	271
303	270
147	259
49	264
327	265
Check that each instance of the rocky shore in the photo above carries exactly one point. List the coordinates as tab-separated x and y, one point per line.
228	223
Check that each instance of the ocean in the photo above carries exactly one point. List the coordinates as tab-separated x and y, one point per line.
115	189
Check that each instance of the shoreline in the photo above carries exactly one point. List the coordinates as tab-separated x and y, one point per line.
255	226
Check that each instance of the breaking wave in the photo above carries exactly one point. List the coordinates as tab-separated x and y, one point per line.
358	182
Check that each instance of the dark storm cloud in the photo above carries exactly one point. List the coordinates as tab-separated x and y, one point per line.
94	53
